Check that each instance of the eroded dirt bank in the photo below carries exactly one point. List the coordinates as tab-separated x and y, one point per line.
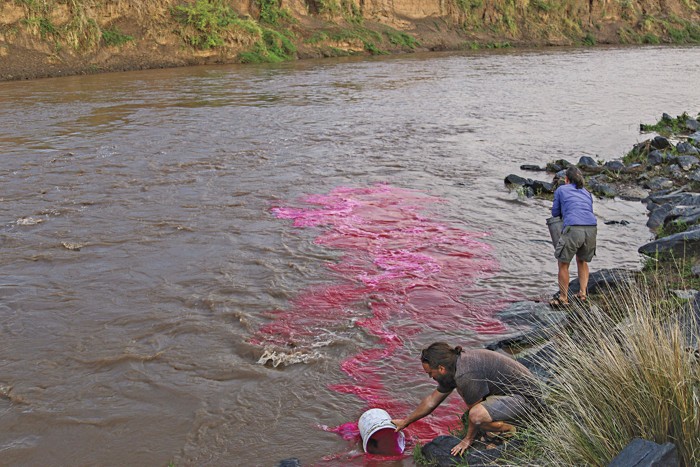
58	37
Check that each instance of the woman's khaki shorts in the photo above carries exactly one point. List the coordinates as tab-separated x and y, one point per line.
576	240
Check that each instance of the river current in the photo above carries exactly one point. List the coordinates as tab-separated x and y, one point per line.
228	265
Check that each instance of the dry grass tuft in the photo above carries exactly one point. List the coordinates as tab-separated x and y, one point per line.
624	369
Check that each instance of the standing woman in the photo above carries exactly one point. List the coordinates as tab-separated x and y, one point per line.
578	237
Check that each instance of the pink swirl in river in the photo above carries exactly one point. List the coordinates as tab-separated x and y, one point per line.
402	273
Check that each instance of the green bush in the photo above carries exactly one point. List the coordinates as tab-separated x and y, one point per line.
401	39
114	37
208	19
271	12
273	47
589	39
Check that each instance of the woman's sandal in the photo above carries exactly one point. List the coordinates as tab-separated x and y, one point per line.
558	304
580	297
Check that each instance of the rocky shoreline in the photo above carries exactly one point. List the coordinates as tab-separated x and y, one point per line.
662	172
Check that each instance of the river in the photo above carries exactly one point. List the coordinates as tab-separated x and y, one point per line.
222	265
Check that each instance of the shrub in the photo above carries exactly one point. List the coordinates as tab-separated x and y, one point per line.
207	19
114	37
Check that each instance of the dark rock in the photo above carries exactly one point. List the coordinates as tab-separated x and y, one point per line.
643	453
675	171
695	270
695	175
656	157
642	148
603	281
692	124
529	192
558	165
533	168
666	117
678	199
622	222
658	183
695	138
586	161
539	362
681	244
599	186
542	187
687	162
531	323
686	148
292	462
617	166
438	453
517	180
659	142
658	215
683	216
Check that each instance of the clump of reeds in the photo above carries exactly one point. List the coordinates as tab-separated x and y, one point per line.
625	367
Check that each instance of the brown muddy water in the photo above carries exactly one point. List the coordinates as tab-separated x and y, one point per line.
154	247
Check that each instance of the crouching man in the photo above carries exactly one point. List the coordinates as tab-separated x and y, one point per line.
499	391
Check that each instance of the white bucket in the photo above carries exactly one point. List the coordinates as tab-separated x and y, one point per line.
379	435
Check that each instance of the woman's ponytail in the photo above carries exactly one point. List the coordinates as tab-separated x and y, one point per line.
575	176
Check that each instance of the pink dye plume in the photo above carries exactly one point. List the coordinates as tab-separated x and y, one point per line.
398	265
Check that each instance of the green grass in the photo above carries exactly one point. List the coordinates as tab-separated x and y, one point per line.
401	39
272	13
667	127
205	20
114	37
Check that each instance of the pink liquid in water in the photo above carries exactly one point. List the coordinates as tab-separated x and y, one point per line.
398	263
385	442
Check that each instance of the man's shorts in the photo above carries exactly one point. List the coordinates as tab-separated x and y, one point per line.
511	409
576	240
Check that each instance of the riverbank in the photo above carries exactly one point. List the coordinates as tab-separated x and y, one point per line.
662	171
638	329
55	39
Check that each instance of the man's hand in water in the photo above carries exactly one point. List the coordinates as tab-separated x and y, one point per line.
400	423
461	448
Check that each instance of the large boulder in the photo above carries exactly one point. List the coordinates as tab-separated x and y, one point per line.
688	215
660	142
656	157
517	180
587	161
437	452
657	215
677	198
658	183
687	162
530	323
604	280
616	166
681	244
642	453
687	148
600	187
691	124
